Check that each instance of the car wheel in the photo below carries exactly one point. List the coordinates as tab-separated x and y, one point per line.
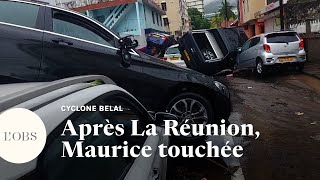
208	55
260	69
191	108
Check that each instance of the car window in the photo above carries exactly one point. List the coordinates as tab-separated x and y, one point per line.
254	41
246	46
55	167
71	25
282	37
173	51
19	13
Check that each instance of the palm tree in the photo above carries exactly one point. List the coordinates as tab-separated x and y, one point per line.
225	6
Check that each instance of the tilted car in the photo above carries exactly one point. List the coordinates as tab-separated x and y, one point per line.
173	55
211	50
46	99
46	43
272	49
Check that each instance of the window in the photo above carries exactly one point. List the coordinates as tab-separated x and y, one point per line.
282	37
164	6
246	46
166	21
19	13
255	41
158	19
154	22
56	167
173	51
78	27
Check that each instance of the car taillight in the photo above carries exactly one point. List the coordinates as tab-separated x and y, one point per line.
164	38
267	48
164	58
301	44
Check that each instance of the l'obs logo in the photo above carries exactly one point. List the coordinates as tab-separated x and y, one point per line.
22	135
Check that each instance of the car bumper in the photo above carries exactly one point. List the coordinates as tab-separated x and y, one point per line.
271	59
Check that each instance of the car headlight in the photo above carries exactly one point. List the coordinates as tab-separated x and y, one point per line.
223	89
219	85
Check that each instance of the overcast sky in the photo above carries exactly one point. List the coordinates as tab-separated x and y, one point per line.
211	6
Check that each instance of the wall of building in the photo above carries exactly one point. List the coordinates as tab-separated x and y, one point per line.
196	4
176	12
155	21
250	7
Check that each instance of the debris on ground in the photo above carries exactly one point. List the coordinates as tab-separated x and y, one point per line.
317	137
314	123
250	87
299	113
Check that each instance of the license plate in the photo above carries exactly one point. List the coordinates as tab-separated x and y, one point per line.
156	36
175	58
286	59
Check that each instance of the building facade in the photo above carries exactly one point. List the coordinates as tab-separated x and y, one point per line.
126	17
270	15
252	24
198	4
176	21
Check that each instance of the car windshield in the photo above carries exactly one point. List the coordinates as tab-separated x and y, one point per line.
173	51
282	37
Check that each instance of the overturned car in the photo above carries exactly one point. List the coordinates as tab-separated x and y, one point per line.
212	50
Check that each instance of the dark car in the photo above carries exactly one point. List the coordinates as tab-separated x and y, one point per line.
45	43
212	50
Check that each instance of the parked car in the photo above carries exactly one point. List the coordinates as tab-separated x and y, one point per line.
173	55
46	100
46	43
211	50
272	49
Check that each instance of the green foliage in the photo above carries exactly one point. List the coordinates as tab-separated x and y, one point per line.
221	15
226	7
197	19
297	11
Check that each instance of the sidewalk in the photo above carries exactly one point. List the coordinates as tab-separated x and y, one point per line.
312	69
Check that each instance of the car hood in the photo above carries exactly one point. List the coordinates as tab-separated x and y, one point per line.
185	74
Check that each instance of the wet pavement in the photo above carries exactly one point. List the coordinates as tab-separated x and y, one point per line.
286	110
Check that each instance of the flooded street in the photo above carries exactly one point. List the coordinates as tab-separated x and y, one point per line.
286	111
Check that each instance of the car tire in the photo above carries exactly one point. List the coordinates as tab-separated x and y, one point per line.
260	69
193	106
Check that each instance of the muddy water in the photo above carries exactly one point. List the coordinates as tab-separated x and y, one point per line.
286	111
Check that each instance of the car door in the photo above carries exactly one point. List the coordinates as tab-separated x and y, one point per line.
52	166
253	52
243	56
75	45
21	32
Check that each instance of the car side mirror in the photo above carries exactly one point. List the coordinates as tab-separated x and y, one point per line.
239	50
160	117
126	44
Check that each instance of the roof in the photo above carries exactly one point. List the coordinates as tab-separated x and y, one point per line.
103	4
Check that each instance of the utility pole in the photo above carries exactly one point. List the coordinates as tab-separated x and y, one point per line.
226	11
281	15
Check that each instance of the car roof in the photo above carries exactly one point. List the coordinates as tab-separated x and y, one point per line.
174	46
278	32
25	92
44	4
